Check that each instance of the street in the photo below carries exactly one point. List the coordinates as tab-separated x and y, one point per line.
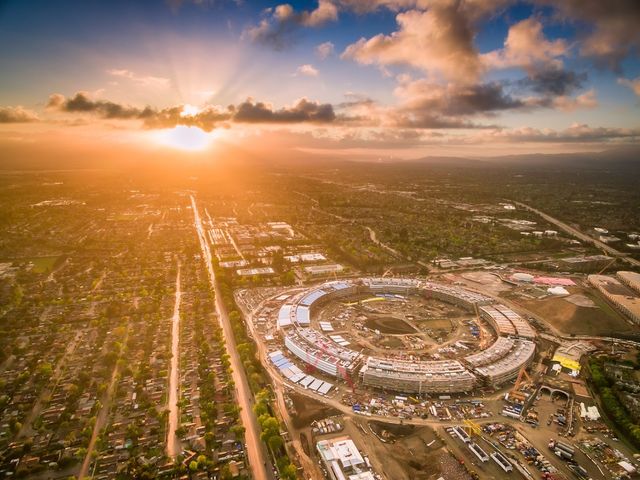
257	456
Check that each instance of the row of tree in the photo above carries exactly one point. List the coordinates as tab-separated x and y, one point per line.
256	376
610	397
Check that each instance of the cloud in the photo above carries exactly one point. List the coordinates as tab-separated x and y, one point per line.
302	111
325	49
576	133
325	12
307	70
614	33
354	100
554	81
527	47
439	40
475	9
82	103
210	117
17	114
569	104
426	105
455	99
206	119
633	84
283	20
148	81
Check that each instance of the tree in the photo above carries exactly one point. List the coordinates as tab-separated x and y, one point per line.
45	370
289	472
275	443
238	431
260	409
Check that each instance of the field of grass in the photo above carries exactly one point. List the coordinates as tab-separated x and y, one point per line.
573	319
44	264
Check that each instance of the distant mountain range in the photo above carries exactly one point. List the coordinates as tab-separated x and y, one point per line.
622	156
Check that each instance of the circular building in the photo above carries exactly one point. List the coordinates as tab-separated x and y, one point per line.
311	341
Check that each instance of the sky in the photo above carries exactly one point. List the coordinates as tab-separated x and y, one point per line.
334	78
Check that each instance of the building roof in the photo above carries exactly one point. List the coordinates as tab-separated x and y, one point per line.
340	449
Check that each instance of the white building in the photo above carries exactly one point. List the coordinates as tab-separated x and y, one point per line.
343	460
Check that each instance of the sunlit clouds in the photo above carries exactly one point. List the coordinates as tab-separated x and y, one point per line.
17	114
412	76
307	70
148	81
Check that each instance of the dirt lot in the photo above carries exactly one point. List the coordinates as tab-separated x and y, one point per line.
580	320
435	324
309	410
483	280
389	325
405	455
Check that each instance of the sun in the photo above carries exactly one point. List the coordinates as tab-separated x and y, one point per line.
190	139
189	110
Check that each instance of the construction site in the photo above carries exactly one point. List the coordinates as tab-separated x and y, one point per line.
445	379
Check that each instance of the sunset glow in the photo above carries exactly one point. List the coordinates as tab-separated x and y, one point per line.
190	139
396	79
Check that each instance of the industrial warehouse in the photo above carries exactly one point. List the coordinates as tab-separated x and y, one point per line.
511	349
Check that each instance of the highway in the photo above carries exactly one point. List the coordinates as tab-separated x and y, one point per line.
259	460
579	235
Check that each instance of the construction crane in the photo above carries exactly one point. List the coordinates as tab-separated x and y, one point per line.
472	428
608	264
515	392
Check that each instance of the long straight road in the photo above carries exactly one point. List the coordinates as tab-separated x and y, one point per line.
101	419
578	234
259	461
173	443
